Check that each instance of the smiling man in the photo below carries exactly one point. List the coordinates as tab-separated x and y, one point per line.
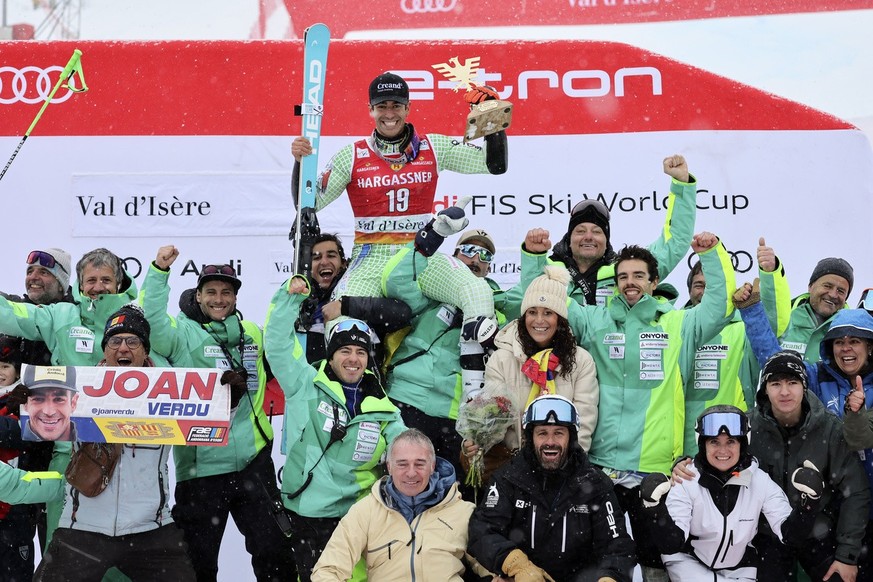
548	511
586	249
237	480
420	492
72	331
643	348
328	265
50	404
802	322
338	423
391	180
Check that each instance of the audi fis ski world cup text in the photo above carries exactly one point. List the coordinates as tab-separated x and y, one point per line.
549	204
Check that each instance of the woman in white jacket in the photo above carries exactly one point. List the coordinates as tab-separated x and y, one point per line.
706	526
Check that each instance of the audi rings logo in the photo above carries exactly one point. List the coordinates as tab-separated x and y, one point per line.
132	266
30	85
427	6
740	260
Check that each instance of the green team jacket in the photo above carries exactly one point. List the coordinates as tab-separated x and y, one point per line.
720	374
188	344
669	248
313	399
793	321
425	370
72	332
642	355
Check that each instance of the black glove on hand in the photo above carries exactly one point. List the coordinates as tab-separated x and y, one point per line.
16	398
653	489
238	385
808	481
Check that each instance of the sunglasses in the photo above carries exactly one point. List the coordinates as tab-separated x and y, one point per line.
218	270
471	251
44	259
715	423
132	342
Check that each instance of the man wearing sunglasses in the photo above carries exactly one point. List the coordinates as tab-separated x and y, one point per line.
586	249
548	514
238	480
430	401
338	422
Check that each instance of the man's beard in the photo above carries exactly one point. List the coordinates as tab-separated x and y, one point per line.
551	463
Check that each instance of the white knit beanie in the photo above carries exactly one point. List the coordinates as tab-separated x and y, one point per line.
549	291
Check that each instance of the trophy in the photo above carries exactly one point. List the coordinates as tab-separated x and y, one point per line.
485	117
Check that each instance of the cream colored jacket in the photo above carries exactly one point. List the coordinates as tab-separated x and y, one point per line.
503	376
429	549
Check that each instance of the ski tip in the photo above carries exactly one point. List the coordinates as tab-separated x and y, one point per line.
318	26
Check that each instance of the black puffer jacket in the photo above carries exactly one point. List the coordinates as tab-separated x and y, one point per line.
563	520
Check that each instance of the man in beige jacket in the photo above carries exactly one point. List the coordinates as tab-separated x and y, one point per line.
412	517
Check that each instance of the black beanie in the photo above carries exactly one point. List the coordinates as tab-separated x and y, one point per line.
349	332
784	363
128	319
592	211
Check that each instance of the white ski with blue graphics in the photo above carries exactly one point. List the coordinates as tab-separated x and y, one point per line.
316	40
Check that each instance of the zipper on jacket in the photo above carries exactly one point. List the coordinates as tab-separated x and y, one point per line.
533	520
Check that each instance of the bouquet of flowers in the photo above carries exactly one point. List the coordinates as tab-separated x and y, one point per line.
484	421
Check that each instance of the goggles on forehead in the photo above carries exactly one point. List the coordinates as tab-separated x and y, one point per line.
715	423
351	324
551	410
597	205
44	259
218	270
470	250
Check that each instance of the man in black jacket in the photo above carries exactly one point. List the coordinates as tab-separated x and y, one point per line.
548	514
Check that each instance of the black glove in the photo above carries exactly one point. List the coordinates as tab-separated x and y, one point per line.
16	398
653	489
238	385
808	481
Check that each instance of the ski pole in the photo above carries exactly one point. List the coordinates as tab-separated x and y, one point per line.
73	66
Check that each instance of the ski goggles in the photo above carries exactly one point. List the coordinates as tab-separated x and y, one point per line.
866	301
471	250
352	324
218	270
44	260
595	205
551	410
715	423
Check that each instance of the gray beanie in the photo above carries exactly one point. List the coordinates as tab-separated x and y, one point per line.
834	266
61	268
